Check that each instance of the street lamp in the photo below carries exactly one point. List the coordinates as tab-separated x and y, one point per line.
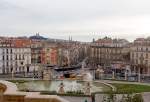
139	75
113	75
12	74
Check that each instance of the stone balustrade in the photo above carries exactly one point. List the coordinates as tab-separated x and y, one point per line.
9	93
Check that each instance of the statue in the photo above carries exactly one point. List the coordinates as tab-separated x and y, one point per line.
88	89
61	89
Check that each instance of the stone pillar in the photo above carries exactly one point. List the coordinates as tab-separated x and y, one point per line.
134	69
139	75
12	74
94	74
113	75
148	70
47	75
125	75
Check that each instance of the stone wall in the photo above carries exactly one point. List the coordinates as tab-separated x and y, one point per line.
40	100
13	98
2	90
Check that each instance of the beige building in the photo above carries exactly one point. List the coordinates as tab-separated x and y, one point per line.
140	56
107	52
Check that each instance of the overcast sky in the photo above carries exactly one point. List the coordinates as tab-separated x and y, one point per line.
81	19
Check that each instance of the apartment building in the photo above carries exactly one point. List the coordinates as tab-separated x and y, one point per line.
109	52
140	56
14	58
50	54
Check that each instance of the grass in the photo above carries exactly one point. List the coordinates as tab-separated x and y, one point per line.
106	88
18	81
131	88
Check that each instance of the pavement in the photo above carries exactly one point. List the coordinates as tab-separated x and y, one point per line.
99	97
146	96
77	99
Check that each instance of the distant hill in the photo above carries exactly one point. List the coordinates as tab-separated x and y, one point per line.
38	37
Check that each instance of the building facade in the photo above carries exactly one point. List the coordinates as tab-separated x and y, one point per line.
140	56
109	52
14	59
50	54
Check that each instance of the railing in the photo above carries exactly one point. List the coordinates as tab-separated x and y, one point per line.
32	75
136	77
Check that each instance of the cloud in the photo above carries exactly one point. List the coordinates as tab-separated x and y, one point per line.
57	18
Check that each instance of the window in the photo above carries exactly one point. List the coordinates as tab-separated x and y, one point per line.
146	62
141	49
136	54
11	69
7	64
11	51
6	50
23	69
3	57
146	49
141	54
16	57
133	55
136	62
7	57
23	57
19	57
146	55
16	63
19	69
21	63
27	69
11	57
3	51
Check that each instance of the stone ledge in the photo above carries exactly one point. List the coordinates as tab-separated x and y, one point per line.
11	94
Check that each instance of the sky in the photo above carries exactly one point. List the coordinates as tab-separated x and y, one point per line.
81	19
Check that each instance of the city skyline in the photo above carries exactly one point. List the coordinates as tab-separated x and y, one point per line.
83	20
70	37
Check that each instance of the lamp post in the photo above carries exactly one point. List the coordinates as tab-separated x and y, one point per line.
125	75
113	75
12	74
139	75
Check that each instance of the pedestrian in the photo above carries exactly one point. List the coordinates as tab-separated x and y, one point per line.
85	100
93	97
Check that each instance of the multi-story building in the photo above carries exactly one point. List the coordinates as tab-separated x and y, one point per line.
50	54
14	58
109	52
73	53
140	56
36	51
